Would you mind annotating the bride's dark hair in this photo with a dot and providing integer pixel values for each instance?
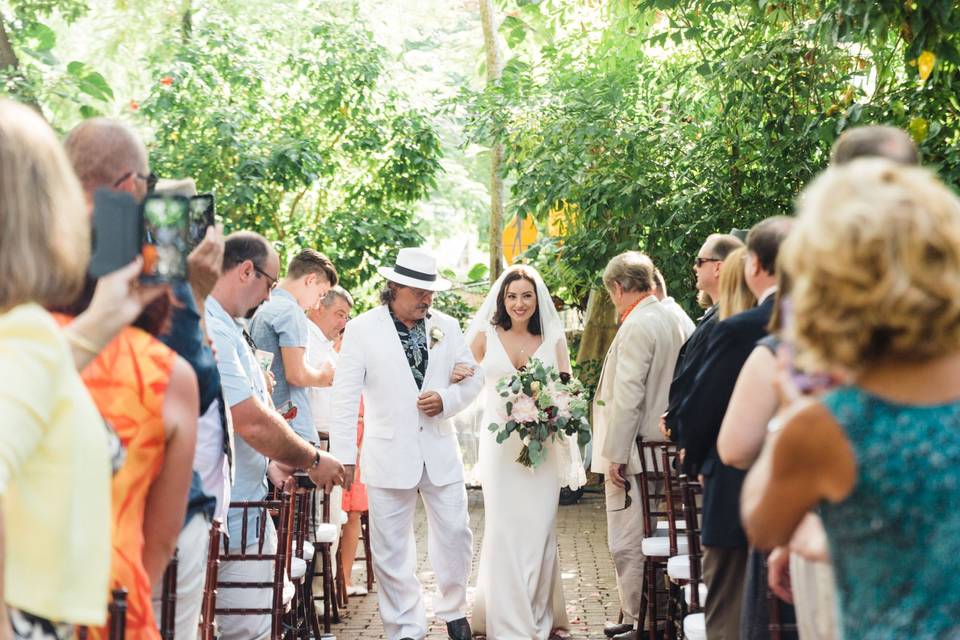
(500, 317)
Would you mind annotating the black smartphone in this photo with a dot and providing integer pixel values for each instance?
(116, 232)
(202, 215)
(165, 239)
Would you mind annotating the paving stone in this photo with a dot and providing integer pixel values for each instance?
(590, 587)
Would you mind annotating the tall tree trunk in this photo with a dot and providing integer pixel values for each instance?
(10, 63)
(599, 327)
(494, 72)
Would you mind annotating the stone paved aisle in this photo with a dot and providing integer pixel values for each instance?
(588, 579)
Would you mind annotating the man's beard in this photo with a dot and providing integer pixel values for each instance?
(250, 312)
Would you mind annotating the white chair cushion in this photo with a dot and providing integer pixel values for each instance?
(702, 590)
(678, 567)
(659, 547)
(695, 627)
(663, 525)
(298, 569)
(308, 551)
(327, 533)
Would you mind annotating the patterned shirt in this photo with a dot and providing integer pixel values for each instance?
(414, 341)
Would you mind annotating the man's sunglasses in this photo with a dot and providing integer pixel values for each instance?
(701, 261)
(151, 180)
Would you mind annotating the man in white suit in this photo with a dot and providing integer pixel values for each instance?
(631, 396)
(415, 372)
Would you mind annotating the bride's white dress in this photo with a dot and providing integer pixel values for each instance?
(518, 595)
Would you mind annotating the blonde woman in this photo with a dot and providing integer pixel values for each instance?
(875, 264)
(54, 458)
(735, 296)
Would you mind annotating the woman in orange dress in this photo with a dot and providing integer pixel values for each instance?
(354, 505)
(149, 395)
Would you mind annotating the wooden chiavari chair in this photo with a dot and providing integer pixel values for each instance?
(281, 559)
(657, 549)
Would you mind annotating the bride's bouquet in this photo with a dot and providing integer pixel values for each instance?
(541, 404)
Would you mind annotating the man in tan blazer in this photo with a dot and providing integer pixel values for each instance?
(631, 396)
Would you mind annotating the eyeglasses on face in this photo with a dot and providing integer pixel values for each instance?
(419, 293)
(701, 261)
(271, 279)
(151, 179)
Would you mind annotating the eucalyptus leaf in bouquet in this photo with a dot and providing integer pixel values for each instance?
(541, 405)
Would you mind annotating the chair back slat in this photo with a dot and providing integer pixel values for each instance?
(669, 462)
(692, 492)
(653, 485)
(209, 598)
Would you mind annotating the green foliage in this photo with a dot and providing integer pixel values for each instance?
(672, 119)
(295, 137)
(36, 75)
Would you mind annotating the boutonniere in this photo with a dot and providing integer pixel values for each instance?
(436, 335)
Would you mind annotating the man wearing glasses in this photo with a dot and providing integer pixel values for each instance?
(250, 270)
(706, 266)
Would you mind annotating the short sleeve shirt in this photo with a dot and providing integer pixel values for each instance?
(240, 378)
(319, 352)
(280, 322)
(414, 341)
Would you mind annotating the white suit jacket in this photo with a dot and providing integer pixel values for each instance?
(399, 439)
(634, 385)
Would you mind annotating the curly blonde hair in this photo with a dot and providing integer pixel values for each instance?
(734, 295)
(875, 263)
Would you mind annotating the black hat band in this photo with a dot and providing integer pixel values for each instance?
(419, 275)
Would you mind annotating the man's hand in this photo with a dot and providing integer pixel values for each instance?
(204, 264)
(461, 371)
(280, 476)
(349, 471)
(326, 372)
(664, 429)
(430, 403)
(616, 473)
(778, 574)
(328, 473)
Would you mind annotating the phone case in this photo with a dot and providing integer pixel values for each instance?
(165, 242)
(116, 232)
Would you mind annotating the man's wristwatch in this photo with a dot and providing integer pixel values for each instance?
(316, 460)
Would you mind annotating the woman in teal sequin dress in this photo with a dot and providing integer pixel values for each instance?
(875, 258)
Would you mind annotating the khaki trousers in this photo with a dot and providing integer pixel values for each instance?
(724, 571)
(624, 537)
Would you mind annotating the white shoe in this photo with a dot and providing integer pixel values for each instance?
(356, 591)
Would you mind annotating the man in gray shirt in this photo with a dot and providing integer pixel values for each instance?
(250, 270)
(281, 327)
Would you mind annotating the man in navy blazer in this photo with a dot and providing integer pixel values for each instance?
(706, 266)
(730, 343)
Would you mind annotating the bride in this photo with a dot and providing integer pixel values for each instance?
(519, 595)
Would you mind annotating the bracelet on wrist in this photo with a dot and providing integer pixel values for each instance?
(316, 460)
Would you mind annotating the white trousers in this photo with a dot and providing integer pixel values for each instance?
(624, 535)
(449, 547)
(192, 546)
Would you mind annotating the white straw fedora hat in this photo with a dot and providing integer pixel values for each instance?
(415, 268)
